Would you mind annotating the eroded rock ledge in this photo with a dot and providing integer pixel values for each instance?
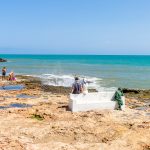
(3, 60)
(48, 124)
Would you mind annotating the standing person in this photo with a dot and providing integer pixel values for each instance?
(77, 87)
(4, 73)
(118, 98)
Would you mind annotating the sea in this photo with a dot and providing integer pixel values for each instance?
(101, 71)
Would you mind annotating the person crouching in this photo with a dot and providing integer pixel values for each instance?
(77, 87)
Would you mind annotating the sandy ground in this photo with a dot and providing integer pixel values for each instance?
(49, 125)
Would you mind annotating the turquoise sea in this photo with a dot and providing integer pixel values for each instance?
(104, 71)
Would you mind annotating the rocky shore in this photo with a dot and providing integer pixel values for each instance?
(36, 117)
(3, 60)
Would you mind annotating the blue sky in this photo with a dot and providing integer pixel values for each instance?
(75, 26)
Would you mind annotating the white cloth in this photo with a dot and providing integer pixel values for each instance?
(85, 89)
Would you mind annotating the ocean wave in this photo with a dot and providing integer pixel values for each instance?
(68, 80)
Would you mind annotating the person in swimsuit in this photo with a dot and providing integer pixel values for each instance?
(3, 73)
(11, 76)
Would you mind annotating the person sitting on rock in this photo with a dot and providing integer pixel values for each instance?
(77, 87)
(11, 76)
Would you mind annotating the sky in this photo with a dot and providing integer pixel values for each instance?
(75, 27)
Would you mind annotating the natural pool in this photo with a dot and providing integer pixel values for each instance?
(12, 87)
(16, 105)
(25, 96)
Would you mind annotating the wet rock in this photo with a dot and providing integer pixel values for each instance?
(36, 83)
(3, 60)
(125, 90)
(49, 125)
(54, 89)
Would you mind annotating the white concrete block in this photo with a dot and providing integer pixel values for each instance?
(91, 101)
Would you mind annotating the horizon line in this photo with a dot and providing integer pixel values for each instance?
(82, 54)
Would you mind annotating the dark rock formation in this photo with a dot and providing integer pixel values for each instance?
(135, 91)
(138, 94)
(36, 83)
(3, 60)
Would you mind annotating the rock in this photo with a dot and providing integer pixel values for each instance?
(49, 125)
(138, 94)
(135, 91)
(3, 60)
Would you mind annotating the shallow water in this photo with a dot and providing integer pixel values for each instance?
(16, 105)
(7, 96)
(142, 108)
(12, 87)
(148, 114)
(3, 107)
(103, 70)
(25, 96)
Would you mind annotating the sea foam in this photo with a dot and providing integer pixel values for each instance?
(68, 80)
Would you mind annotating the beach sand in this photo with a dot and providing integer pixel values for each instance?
(49, 125)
